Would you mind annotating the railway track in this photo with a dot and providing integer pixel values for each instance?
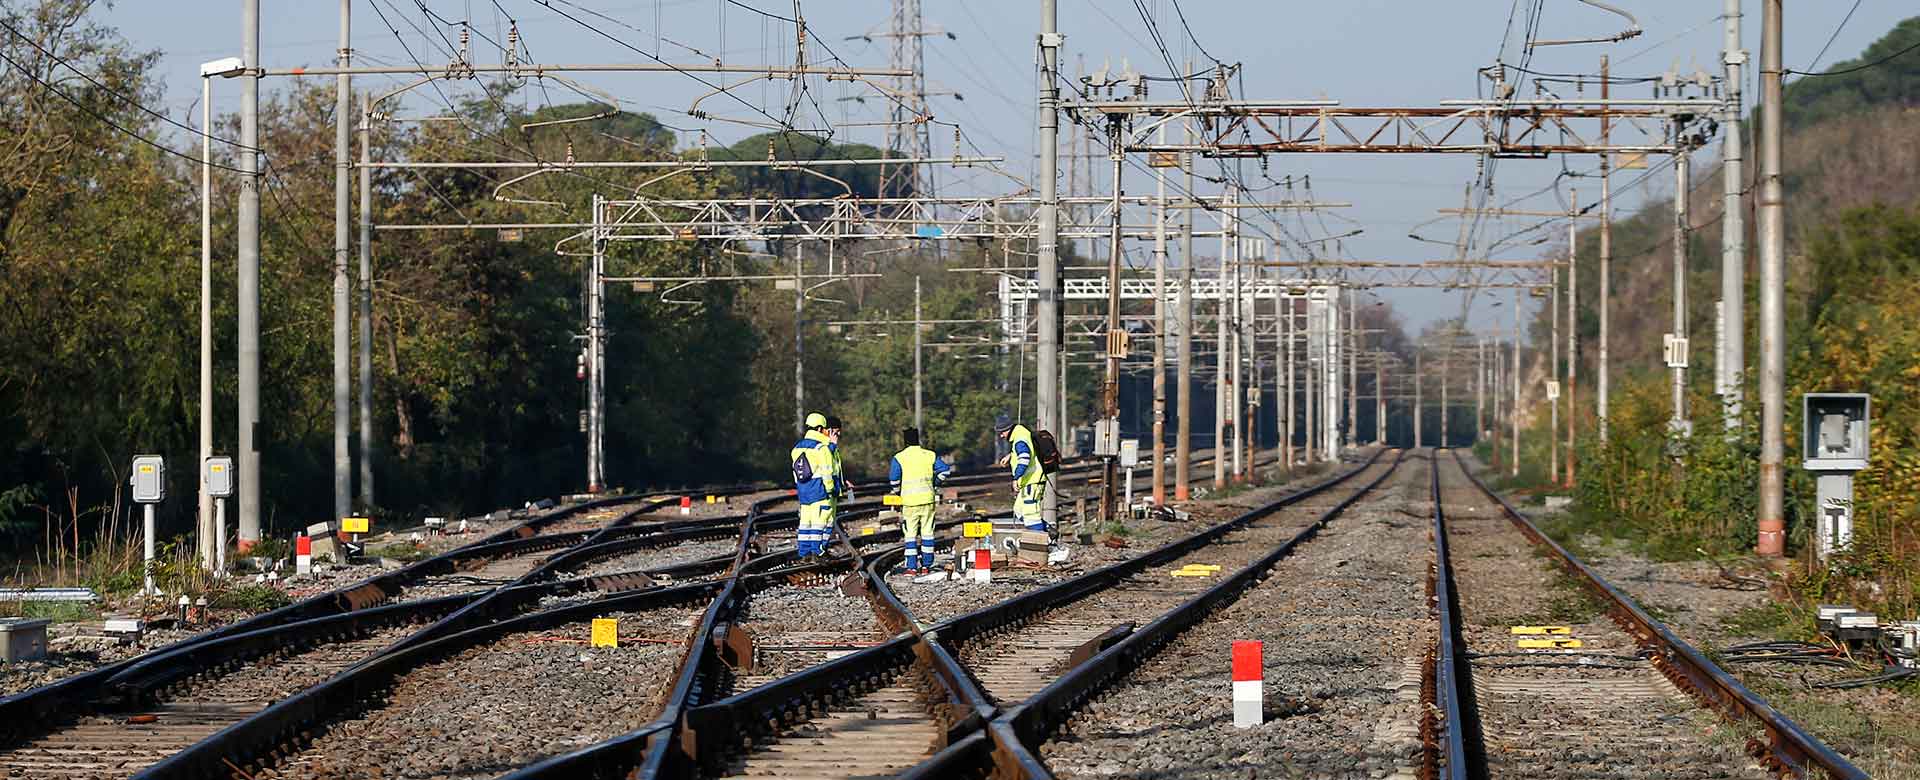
(1631, 701)
(427, 680)
(874, 712)
(1014, 661)
(27, 714)
(168, 711)
(100, 745)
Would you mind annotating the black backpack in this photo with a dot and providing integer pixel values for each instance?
(1047, 450)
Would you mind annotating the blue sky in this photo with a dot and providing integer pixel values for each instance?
(1360, 52)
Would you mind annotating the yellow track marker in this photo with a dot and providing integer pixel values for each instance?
(1547, 644)
(1540, 630)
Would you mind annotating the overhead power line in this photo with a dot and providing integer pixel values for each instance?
(56, 90)
(122, 97)
(1857, 68)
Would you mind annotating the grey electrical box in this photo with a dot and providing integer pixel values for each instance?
(1106, 437)
(1836, 426)
(218, 476)
(149, 479)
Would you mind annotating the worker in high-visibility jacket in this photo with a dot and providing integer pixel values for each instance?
(816, 485)
(1029, 478)
(914, 474)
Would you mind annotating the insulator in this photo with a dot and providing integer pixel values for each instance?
(569, 152)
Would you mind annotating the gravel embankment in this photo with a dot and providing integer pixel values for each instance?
(1598, 711)
(1343, 622)
(936, 601)
(654, 558)
(1874, 727)
(506, 704)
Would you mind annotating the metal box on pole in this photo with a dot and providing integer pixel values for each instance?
(217, 474)
(149, 483)
(1834, 440)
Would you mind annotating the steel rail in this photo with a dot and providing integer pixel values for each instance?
(1018, 731)
(1454, 714)
(671, 745)
(283, 727)
(27, 714)
(1788, 748)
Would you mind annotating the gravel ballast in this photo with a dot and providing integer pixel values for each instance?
(1343, 622)
(1599, 711)
(506, 704)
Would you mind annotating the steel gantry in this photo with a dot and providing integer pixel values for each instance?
(1505, 128)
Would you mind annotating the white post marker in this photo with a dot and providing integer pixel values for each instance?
(303, 554)
(1247, 701)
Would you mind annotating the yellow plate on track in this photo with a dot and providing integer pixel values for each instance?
(1547, 644)
(1541, 630)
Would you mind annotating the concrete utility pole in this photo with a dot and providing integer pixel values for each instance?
(1514, 413)
(597, 350)
(366, 303)
(209, 541)
(1498, 380)
(1110, 389)
(1606, 249)
(1066, 420)
(1282, 379)
(919, 418)
(1732, 362)
(1160, 332)
(1237, 389)
(1353, 367)
(1480, 389)
(1773, 252)
(799, 330)
(1681, 234)
(1183, 449)
(1288, 407)
(1573, 328)
(247, 260)
(1380, 398)
(1222, 377)
(342, 295)
(1330, 405)
(1553, 373)
(1446, 404)
(1418, 402)
(1310, 367)
(1048, 261)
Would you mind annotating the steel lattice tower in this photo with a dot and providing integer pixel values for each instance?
(909, 133)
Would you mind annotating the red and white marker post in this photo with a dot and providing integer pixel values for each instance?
(1247, 696)
(686, 505)
(983, 565)
(303, 554)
